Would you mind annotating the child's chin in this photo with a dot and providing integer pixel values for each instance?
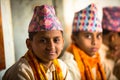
(52, 58)
(92, 54)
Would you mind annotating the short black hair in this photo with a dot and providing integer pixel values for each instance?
(75, 33)
(105, 32)
(31, 35)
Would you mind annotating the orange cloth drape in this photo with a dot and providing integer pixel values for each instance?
(86, 63)
(40, 71)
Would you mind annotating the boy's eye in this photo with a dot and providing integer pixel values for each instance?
(43, 40)
(56, 40)
(88, 36)
(99, 36)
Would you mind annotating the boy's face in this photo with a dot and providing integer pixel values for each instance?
(89, 42)
(47, 45)
(112, 40)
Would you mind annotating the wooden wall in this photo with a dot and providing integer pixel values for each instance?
(2, 57)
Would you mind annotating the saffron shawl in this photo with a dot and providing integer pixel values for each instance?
(40, 71)
(86, 63)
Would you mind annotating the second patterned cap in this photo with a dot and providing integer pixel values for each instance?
(87, 20)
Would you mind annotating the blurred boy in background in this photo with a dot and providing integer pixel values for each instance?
(111, 37)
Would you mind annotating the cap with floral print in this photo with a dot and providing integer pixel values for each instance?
(111, 19)
(44, 19)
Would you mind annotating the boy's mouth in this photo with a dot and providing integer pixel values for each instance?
(52, 52)
(94, 49)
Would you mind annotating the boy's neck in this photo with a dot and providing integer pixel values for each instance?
(46, 64)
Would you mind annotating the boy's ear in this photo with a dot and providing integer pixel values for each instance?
(28, 43)
(113, 37)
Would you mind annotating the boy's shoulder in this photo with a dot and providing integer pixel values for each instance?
(21, 63)
(21, 67)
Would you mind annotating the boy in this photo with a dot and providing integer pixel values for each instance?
(111, 36)
(116, 69)
(44, 44)
(82, 56)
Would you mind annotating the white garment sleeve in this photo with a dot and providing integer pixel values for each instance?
(72, 66)
(109, 73)
(19, 71)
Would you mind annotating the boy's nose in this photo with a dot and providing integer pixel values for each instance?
(94, 41)
(51, 45)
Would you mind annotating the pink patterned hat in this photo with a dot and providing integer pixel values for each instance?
(44, 19)
(87, 20)
(111, 18)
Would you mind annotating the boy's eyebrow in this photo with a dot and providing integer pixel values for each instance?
(99, 33)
